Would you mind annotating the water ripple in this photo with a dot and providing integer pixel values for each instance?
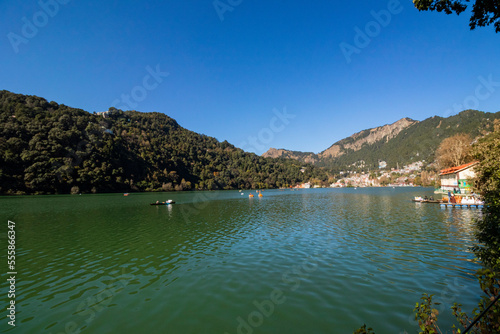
(337, 258)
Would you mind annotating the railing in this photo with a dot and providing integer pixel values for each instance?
(481, 315)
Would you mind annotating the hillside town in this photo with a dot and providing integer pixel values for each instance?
(406, 176)
(454, 179)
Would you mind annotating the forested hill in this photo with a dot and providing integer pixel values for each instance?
(50, 148)
(402, 142)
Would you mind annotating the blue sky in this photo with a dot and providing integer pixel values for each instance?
(259, 74)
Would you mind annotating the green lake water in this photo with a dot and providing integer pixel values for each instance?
(304, 261)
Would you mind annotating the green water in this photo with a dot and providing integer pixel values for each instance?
(307, 261)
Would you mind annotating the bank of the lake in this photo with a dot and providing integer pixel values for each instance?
(301, 261)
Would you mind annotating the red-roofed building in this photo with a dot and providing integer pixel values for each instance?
(459, 177)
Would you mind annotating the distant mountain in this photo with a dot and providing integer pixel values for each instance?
(306, 157)
(352, 143)
(367, 138)
(46, 148)
(400, 143)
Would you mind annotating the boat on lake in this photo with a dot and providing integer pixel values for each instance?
(163, 203)
(419, 199)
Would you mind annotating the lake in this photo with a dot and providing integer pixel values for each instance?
(302, 261)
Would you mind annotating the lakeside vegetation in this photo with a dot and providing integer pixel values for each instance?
(485, 318)
(47, 148)
(50, 148)
(487, 250)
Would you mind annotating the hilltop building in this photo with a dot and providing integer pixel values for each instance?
(459, 177)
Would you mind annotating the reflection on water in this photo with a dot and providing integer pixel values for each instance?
(319, 261)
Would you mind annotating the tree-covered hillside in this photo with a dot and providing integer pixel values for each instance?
(419, 141)
(50, 148)
(416, 142)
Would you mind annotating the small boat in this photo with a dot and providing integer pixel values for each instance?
(423, 200)
(164, 203)
(126, 194)
(251, 195)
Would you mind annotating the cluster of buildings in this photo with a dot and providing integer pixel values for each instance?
(399, 177)
(364, 180)
(306, 185)
(355, 180)
(455, 179)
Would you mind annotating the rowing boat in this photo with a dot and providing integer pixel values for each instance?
(164, 203)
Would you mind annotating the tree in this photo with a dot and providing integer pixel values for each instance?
(484, 12)
(487, 183)
(454, 151)
(487, 250)
(51, 148)
(426, 178)
(384, 180)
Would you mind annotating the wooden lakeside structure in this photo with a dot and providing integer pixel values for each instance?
(456, 182)
(457, 178)
(459, 205)
(446, 204)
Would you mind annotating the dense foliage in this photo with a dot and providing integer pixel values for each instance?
(484, 12)
(487, 151)
(487, 183)
(50, 148)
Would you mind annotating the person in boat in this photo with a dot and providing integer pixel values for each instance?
(426, 198)
(431, 198)
(157, 202)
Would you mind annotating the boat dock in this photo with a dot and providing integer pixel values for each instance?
(459, 205)
(461, 202)
(452, 205)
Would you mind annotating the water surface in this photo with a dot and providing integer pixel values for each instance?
(304, 261)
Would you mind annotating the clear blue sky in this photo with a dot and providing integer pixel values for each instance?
(226, 76)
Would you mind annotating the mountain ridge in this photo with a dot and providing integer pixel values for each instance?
(401, 142)
(368, 136)
(48, 148)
